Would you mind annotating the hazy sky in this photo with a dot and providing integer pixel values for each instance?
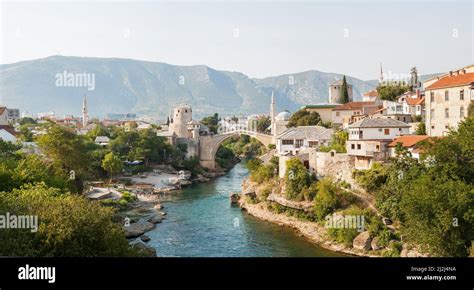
(258, 38)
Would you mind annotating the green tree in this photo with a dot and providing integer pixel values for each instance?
(27, 120)
(344, 94)
(112, 164)
(68, 226)
(421, 129)
(304, 118)
(391, 92)
(326, 199)
(67, 151)
(296, 179)
(211, 122)
(263, 123)
(8, 149)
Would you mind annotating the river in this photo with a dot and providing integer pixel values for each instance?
(201, 222)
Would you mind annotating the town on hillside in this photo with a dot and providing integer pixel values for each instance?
(348, 174)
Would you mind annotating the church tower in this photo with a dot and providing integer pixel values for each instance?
(85, 116)
(272, 115)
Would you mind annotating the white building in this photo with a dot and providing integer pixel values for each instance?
(102, 141)
(295, 139)
(369, 137)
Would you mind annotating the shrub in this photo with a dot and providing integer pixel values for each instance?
(296, 179)
(326, 199)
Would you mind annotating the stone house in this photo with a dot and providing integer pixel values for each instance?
(368, 139)
(447, 100)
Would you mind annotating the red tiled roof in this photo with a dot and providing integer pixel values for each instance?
(453, 81)
(414, 101)
(408, 140)
(354, 106)
(9, 129)
(372, 93)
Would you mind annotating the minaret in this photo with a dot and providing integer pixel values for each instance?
(381, 74)
(85, 117)
(272, 115)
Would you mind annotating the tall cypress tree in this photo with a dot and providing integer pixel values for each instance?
(344, 96)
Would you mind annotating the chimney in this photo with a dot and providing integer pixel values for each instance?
(417, 93)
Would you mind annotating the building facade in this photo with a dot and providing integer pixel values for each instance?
(368, 139)
(447, 99)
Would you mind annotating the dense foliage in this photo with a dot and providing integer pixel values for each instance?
(433, 199)
(304, 118)
(68, 225)
(338, 142)
(391, 92)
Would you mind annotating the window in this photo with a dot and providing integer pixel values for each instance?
(446, 96)
(432, 113)
(404, 119)
(358, 146)
(313, 143)
(352, 146)
(337, 114)
(380, 129)
(432, 96)
(377, 147)
(299, 143)
(287, 142)
(399, 129)
(387, 131)
(461, 112)
(432, 127)
(446, 113)
(461, 95)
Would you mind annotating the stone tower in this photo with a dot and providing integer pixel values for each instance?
(335, 92)
(179, 119)
(85, 116)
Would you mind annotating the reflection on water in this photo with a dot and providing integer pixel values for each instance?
(201, 222)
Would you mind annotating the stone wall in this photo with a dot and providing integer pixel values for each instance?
(337, 165)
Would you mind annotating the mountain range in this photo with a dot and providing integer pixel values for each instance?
(152, 88)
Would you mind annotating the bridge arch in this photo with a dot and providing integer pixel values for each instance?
(208, 145)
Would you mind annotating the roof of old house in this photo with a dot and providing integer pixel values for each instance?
(415, 101)
(372, 93)
(378, 123)
(453, 81)
(408, 140)
(9, 129)
(307, 132)
(354, 106)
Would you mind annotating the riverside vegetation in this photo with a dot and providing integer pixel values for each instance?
(50, 186)
(430, 201)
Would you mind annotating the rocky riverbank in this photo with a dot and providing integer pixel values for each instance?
(363, 244)
(143, 215)
(310, 230)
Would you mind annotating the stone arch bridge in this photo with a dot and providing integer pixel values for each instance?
(208, 145)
